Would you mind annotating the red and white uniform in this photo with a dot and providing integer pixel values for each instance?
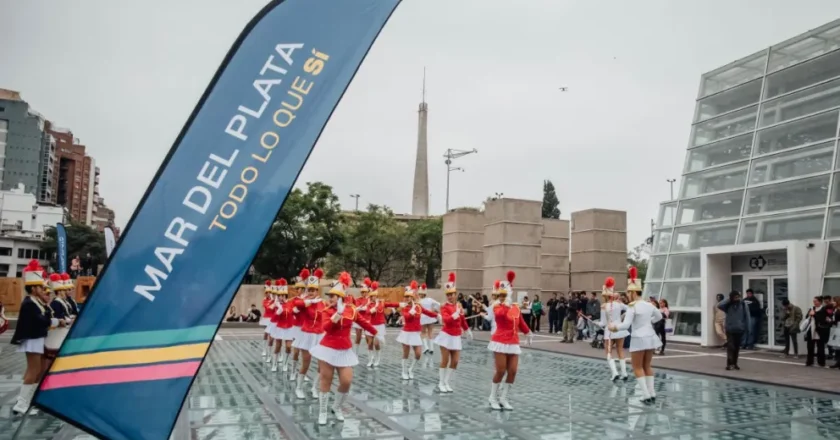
(283, 317)
(509, 323)
(297, 318)
(265, 319)
(335, 347)
(454, 325)
(269, 306)
(410, 334)
(376, 311)
(312, 329)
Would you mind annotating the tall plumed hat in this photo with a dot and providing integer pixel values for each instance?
(366, 285)
(506, 286)
(411, 289)
(314, 280)
(34, 275)
(449, 287)
(634, 284)
(609, 287)
(339, 287)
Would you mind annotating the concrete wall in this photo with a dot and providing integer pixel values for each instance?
(512, 241)
(463, 248)
(554, 256)
(599, 249)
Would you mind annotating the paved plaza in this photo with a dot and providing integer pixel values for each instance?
(556, 397)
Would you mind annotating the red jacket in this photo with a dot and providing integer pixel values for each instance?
(508, 319)
(311, 316)
(363, 302)
(297, 318)
(412, 323)
(337, 334)
(284, 316)
(453, 326)
(376, 310)
(268, 308)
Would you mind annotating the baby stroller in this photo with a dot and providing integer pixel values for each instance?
(598, 339)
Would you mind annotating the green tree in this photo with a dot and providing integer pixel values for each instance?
(550, 205)
(81, 240)
(305, 232)
(427, 244)
(639, 257)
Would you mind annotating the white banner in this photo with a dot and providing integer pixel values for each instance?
(110, 241)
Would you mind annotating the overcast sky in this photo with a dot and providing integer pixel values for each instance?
(124, 76)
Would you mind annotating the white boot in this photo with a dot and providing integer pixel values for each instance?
(270, 355)
(22, 403)
(644, 394)
(494, 400)
(323, 404)
(315, 381)
(411, 365)
(371, 358)
(274, 362)
(294, 374)
(299, 388)
(405, 369)
(623, 365)
(651, 389)
(442, 380)
(613, 371)
(503, 396)
(265, 351)
(378, 355)
(285, 362)
(449, 373)
(336, 409)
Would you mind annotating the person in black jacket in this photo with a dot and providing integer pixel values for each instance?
(816, 335)
(569, 329)
(34, 320)
(756, 312)
(737, 320)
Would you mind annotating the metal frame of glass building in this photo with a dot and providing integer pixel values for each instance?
(759, 200)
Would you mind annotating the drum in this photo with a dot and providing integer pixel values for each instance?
(55, 337)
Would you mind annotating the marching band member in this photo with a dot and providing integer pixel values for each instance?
(335, 351)
(70, 293)
(312, 330)
(34, 321)
(410, 335)
(271, 328)
(361, 307)
(282, 327)
(425, 321)
(641, 315)
(487, 313)
(505, 344)
(611, 311)
(376, 308)
(265, 321)
(297, 320)
(60, 310)
(449, 338)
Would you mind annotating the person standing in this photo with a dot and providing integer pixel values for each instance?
(593, 310)
(571, 318)
(791, 318)
(505, 344)
(661, 329)
(536, 313)
(449, 338)
(409, 337)
(526, 312)
(426, 321)
(756, 312)
(310, 306)
(560, 315)
(737, 319)
(817, 332)
(552, 313)
(611, 313)
(720, 321)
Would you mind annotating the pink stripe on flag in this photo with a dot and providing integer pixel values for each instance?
(120, 375)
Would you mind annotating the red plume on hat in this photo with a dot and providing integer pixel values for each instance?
(304, 274)
(344, 278)
(511, 275)
(32, 266)
(367, 282)
(609, 283)
(320, 273)
(65, 276)
(497, 284)
(282, 282)
(374, 285)
(451, 277)
(413, 285)
(423, 286)
(55, 277)
(634, 273)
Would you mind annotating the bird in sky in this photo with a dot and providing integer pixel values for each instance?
(564, 89)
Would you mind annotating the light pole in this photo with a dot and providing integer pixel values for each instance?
(449, 155)
(356, 196)
(671, 181)
(499, 195)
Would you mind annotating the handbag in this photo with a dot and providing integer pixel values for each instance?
(834, 337)
(669, 326)
(805, 324)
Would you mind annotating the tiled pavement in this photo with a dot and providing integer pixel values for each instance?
(556, 397)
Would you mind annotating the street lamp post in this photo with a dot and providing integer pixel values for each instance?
(449, 155)
(356, 196)
(671, 181)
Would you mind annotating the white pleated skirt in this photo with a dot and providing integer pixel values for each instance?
(380, 332)
(642, 343)
(31, 346)
(448, 341)
(426, 320)
(283, 334)
(615, 335)
(55, 338)
(411, 339)
(295, 332)
(497, 347)
(356, 326)
(269, 327)
(264, 321)
(336, 358)
(307, 341)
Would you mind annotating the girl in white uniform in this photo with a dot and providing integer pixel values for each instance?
(611, 311)
(643, 341)
(427, 321)
(488, 310)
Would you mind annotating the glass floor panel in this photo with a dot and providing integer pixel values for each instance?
(556, 397)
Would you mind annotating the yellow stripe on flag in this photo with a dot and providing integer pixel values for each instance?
(130, 357)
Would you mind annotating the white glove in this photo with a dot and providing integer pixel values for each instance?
(413, 311)
(295, 310)
(470, 334)
(339, 306)
(53, 322)
(403, 304)
(530, 339)
(456, 314)
(362, 309)
(336, 317)
(309, 302)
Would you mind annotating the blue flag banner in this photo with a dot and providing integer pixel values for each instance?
(130, 358)
(61, 248)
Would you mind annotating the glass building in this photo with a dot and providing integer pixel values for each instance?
(759, 201)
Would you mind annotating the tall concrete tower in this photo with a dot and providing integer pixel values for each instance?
(420, 199)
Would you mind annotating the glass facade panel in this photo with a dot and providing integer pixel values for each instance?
(813, 129)
(798, 226)
(833, 230)
(718, 179)
(714, 207)
(835, 190)
(806, 102)
(739, 72)
(682, 293)
(661, 241)
(832, 264)
(796, 163)
(667, 213)
(803, 50)
(656, 267)
(831, 286)
(725, 126)
(719, 153)
(681, 266)
(803, 75)
(686, 323)
(800, 193)
(694, 237)
(651, 290)
(732, 99)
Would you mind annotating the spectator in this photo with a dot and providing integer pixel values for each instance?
(571, 318)
(593, 312)
(249, 277)
(526, 311)
(659, 326)
(552, 313)
(817, 331)
(536, 313)
(561, 314)
(253, 314)
(835, 304)
(232, 316)
(756, 312)
(720, 318)
(737, 319)
(791, 317)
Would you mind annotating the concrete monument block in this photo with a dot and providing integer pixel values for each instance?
(463, 247)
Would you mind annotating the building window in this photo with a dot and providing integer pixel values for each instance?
(28, 253)
(4, 270)
(5, 251)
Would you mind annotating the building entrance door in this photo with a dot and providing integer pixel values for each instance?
(770, 292)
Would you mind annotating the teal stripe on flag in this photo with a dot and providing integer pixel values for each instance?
(155, 338)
